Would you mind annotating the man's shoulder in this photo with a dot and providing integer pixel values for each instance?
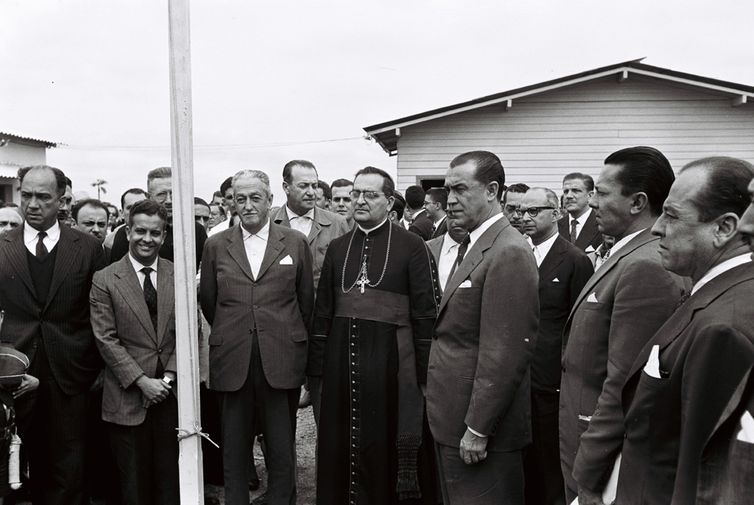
(84, 239)
(328, 217)
(572, 252)
(110, 270)
(214, 239)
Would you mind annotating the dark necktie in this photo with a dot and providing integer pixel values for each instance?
(462, 248)
(150, 295)
(41, 248)
(574, 231)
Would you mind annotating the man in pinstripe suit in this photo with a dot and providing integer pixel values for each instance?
(45, 275)
(132, 306)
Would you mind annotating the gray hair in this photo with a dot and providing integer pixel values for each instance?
(255, 174)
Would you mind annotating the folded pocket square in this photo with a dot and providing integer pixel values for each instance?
(747, 428)
(465, 284)
(556, 280)
(287, 260)
(652, 368)
(589, 249)
(592, 298)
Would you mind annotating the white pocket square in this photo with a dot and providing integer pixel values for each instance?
(465, 284)
(556, 280)
(589, 249)
(747, 428)
(652, 368)
(286, 261)
(592, 298)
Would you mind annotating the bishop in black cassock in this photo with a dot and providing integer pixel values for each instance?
(376, 307)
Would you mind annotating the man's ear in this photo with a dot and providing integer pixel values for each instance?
(726, 229)
(639, 202)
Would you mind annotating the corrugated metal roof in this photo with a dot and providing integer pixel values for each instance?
(27, 140)
(387, 136)
(8, 172)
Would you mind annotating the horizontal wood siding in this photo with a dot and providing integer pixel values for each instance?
(543, 137)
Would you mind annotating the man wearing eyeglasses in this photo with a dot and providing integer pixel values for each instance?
(160, 189)
(564, 269)
(435, 203)
(10, 219)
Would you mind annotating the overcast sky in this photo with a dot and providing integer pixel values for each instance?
(275, 81)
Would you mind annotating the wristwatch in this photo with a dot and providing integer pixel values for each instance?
(167, 380)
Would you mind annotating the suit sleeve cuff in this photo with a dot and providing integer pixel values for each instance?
(475, 432)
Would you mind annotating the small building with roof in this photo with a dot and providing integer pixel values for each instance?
(15, 152)
(543, 131)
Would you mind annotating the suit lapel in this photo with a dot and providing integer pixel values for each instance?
(237, 251)
(588, 232)
(17, 256)
(132, 292)
(67, 251)
(317, 224)
(281, 217)
(473, 257)
(553, 259)
(165, 298)
(273, 249)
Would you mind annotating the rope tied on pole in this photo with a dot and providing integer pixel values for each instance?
(197, 431)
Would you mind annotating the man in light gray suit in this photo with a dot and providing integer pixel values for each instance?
(132, 312)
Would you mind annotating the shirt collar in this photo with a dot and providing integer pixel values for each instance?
(292, 215)
(582, 218)
(447, 244)
(30, 234)
(721, 268)
(370, 230)
(474, 235)
(263, 233)
(625, 240)
(439, 221)
(138, 266)
(544, 247)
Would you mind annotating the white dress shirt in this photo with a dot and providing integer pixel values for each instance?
(541, 250)
(580, 221)
(300, 223)
(140, 275)
(474, 235)
(448, 256)
(31, 237)
(720, 269)
(255, 246)
(625, 240)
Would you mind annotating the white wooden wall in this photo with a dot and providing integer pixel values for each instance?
(543, 137)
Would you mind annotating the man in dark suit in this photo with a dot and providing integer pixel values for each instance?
(420, 222)
(45, 274)
(626, 300)
(564, 269)
(579, 225)
(685, 376)
(257, 293)
(435, 203)
(132, 312)
(478, 379)
(159, 185)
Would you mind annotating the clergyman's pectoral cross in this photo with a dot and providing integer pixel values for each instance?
(363, 279)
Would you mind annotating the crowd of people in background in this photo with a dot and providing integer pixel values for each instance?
(469, 344)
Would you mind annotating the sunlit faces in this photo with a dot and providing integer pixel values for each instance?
(9, 220)
(746, 225)
(302, 190)
(370, 204)
(161, 191)
(230, 204)
(40, 200)
(202, 214)
(612, 210)
(342, 202)
(512, 201)
(67, 201)
(253, 201)
(470, 202)
(539, 216)
(575, 197)
(92, 220)
(145, 237)
(129, 200)
(216, 215)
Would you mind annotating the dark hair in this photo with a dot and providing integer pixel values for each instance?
(217, 193)
(325, 189)
(200, 201)
(341, 183)
(91, 202)
(644, 170)
(60, 178)
(132, 191)
(399, 205)
(439, 195)
(519, 187)
(226, 185)
(69, 182)
(488, 168)
(414, 197)
(149, 208)
(388, 187)
(586, 179)
(288, 168)
(726, 187)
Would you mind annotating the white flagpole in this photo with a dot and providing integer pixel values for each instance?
(187, 340)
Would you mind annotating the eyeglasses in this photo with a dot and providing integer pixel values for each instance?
(532, 211)
(368, 195)
(12, 224)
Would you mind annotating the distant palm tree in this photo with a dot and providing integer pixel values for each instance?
(100, 185)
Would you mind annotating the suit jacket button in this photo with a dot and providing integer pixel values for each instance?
(159, 351)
